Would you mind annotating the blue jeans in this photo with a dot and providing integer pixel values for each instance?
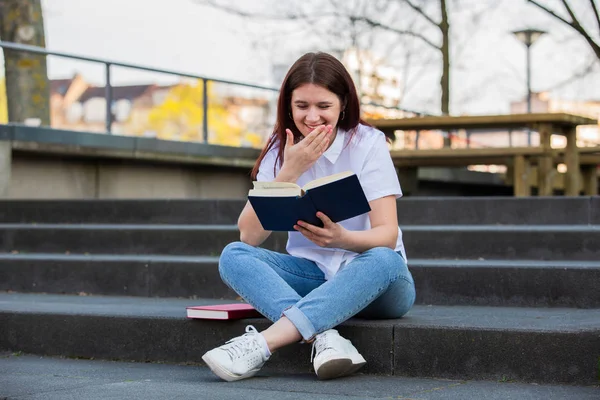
(376, 284)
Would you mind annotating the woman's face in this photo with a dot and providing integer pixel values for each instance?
(312, 106)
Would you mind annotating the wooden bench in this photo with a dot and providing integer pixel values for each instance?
(581, 162)
(519, 160)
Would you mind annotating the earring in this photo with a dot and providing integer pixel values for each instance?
(343, 115)
(290, 115)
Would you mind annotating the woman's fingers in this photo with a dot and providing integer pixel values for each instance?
(319, 140)
(290, 139)
(323, 145)
(318, 132)
(325, 219)
(308, 228)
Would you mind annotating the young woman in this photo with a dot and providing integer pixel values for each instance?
(355, 267)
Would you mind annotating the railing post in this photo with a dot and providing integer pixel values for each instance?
(205, 110)
(108, 97)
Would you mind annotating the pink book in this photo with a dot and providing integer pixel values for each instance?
(223, 311)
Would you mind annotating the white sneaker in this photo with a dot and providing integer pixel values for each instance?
(335, 356)
(241, 357)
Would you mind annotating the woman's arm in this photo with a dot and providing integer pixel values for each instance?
(251, 231)
(383, 232)
(384, 228)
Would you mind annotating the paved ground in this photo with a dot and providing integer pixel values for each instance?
(34, 377)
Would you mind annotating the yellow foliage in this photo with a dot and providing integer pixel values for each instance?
(254, 139)
(180, 117)
(3, 103)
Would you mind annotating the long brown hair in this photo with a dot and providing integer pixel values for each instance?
(320, 69)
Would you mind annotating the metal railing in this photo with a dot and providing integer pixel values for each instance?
(108, 93)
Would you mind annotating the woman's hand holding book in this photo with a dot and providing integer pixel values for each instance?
(330, 235)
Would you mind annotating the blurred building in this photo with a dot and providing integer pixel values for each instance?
(76, 104)
(588, 135)
(79, 105)
(376, 81)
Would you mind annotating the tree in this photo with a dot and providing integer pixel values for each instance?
(354, 24)
(443, 25)
(358, 20)
(27, 90)
(575, 22)
(180, 117)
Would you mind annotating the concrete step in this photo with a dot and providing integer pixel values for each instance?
(499, 210)
(512, 242)
(522, 344)
(411, 211)
(444, 282)
(507, 283)
(121, 275)
(112, 211)
(24, 376)
(206, 240)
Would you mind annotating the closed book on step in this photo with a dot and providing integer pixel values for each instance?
(279, 205)
(223, 311)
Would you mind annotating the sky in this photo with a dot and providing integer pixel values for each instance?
(184, 36)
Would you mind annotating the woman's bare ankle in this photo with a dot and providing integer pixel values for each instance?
(280, 334)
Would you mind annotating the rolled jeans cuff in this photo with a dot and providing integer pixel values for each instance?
(303, 324)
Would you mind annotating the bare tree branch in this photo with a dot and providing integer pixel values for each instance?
(299, 17)
(574, 24)
(422, 12)
(376, 24)
(355, 24)
(549, 11)
(596, 13)
(476, 25)
(269, 17)
(418, 74)
(589, 68)
(574, 20)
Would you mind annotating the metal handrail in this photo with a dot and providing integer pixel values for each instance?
(108, 94)
(108, 87)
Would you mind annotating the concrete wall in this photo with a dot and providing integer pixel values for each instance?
(42, 176)
(44, 163)
(38, 176)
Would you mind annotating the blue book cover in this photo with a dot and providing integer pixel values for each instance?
(280, 205)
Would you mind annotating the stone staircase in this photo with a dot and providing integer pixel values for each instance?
(507, 289)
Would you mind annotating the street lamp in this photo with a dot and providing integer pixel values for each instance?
(528, 37)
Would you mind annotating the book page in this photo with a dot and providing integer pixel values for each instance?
(274, 185)
(327, 179)
(275, 189)
(276, 192)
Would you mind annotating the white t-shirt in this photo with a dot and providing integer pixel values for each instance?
(368, 156)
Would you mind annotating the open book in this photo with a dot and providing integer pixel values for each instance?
(279, 205)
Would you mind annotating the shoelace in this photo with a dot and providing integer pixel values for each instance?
(321, 344)
(241, 345)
